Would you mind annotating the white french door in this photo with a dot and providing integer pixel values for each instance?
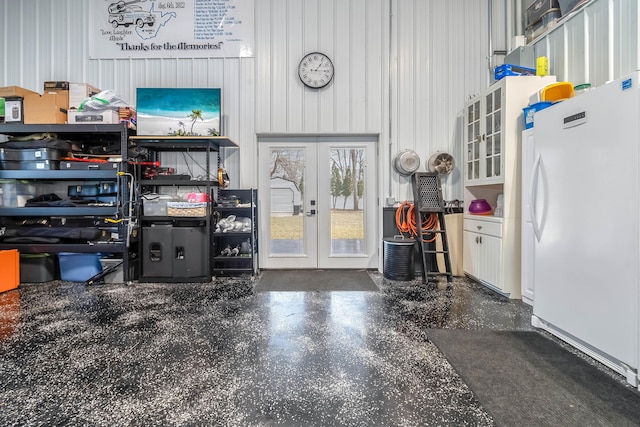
(318, 202)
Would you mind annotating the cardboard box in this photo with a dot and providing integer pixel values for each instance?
(78, 92)
(15, 91)
(93, 117)
(48, 108)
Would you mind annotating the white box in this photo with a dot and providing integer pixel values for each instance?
(13, 110)
(93, 117)
(78, 92)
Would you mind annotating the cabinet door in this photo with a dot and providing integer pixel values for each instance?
(493, 137)
(483, 258)
(473, 141)
(471, 253)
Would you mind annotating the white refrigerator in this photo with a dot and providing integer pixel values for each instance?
(584, 205)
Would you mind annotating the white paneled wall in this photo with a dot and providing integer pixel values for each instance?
(403, 71)
(594, 44)
(404, 68)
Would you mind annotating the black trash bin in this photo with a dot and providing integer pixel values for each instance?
(399, 258)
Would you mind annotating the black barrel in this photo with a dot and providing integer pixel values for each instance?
(399, 258)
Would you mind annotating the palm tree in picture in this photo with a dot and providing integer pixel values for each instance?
(195, 115)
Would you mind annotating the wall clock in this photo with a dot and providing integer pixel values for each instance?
(315, 70)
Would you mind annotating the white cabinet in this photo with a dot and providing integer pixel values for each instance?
(483, 250)
(492, 136)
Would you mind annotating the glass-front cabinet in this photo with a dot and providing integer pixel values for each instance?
(493, 127)
(484, 137)
(473, 140)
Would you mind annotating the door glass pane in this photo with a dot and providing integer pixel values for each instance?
(287, 168)
(476, 115)
(497, 99)
(347, 189)
(497, 165)
(496, 122)
(496, 143)
(476, 169)
(489, 167)
(488, 103)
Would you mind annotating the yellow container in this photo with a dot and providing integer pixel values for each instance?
(557, 92)
(542, 66)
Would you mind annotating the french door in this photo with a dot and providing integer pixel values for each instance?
(318, 202)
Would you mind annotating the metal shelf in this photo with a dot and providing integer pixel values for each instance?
(62, 211)
(177, 182)
(65, 247)
(90, 135)
(56, 175)
(61, 129)
(181, 143)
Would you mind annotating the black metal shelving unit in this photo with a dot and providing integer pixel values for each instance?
(94, 135)
(169, 244)
(242, 263)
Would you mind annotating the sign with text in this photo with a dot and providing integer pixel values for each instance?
(170, 29)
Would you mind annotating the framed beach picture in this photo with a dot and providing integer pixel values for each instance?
(178, 111)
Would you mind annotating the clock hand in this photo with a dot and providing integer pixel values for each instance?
(319, 65)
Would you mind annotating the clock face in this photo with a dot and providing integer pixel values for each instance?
(315, 70)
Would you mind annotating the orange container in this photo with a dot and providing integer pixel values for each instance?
(10, 267)
(557, 92)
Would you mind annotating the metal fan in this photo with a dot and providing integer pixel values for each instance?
(441, 162)
(406, 162)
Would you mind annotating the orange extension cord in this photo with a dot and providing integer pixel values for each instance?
(406, 222)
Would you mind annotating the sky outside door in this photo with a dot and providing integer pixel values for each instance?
(319, 209)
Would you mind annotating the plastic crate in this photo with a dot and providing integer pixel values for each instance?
(505, 70)
(37, 268)
(79, 267)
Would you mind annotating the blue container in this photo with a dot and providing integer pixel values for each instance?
(530, 111)
(79, 267)
(505, 70)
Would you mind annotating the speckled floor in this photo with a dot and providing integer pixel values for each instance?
(220, 354)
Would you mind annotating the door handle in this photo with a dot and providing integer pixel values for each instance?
(312, 212)
(533, 197)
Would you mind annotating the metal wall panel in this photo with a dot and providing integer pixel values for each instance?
(403, 68)
(595, 44)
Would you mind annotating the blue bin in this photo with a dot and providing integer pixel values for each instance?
(79, 267)
(530, 111)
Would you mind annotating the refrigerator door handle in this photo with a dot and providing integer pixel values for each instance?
(532, 196)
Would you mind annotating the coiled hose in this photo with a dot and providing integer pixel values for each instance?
(406, 222)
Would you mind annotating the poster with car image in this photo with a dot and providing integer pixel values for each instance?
(170, 29)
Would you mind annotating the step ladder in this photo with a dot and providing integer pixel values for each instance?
(429, 208)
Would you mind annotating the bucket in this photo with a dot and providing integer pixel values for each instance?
(399, 261)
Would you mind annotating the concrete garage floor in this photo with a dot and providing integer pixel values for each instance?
(220, 354)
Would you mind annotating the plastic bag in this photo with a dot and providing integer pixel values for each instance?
(105, 100)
